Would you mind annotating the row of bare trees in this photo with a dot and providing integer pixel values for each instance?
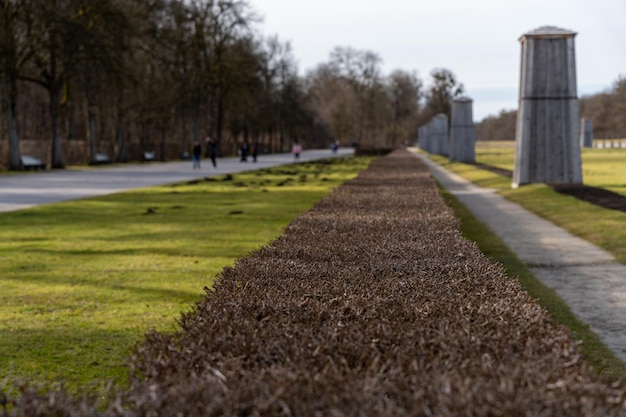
(607, 111)
(132, 71)
(125, 76)
(357, 104)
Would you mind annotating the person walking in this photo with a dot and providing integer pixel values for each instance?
(212, 148)
(296, 150)
(255, 151)
(244, 151)
(196, 154)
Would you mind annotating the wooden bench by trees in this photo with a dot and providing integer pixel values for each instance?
(30, 162)
(100, 159)
(149, 156)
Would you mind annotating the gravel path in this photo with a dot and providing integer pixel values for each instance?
(586, 277)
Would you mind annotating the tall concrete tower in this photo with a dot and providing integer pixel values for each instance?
(547, 135)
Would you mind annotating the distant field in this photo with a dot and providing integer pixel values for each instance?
(603, 167)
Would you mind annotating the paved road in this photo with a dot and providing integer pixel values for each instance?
(586, 277)
(21, 191)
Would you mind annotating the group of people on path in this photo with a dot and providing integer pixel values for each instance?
(244, 152)
(196, 155)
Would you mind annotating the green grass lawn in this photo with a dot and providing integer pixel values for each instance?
(83, 281)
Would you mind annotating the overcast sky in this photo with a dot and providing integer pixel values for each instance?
(478, 40)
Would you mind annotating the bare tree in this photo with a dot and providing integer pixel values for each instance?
(405, 93)
(61, 35)
(500, 127)
(443, 89)
(137, 75)
(607, 110)
(9, 21)
(361, 70)
(104, 32)
(230, 20)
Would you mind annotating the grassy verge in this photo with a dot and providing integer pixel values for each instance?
(593, 350)
(83, 281)
(605, 168)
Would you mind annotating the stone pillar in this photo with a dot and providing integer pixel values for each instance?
(586, 133)
(547, 134)
(440, 134)
(423, 138)
(462, 137)
(433, 146)
(428, 135)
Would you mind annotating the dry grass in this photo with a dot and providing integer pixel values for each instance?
(371, 304)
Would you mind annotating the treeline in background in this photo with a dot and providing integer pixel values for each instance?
(124, 77)
(607, 111)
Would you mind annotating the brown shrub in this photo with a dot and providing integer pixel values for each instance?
(371, 304)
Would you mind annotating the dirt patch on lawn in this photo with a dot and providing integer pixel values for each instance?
(594, 195)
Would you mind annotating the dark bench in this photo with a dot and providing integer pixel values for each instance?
(101, 158)
(30, 162)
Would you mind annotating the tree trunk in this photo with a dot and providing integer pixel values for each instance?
(219, 122)
(55, 120)
(163, 143)
(7, 33)
(212, 110)
(183, 119)
(281, 139)
(120, 132)
(15, 160)
(196, 119)
(212, 120)
(55, 87)
(92, 113)
(270, 134)
(93, 131)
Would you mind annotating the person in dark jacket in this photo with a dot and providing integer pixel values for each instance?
(255, 151)
(244, 151)
(212, 148)
(196, 154)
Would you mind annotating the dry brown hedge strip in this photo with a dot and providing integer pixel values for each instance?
(371, 304)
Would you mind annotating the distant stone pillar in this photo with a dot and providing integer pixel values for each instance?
(462, 137)
(423, 138)
(586, 133)
(428, 138)
(547, 135)
(430, 135)
(440, 134)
